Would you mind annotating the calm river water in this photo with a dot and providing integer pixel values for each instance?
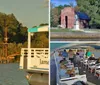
(10, 74)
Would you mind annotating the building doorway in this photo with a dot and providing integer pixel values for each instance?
(66, 21)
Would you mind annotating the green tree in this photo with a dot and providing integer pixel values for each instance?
(43, 24)
(41, 39)
(92, 8)
(16, 32)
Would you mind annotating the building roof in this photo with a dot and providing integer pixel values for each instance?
(39, 29)
(82, 16)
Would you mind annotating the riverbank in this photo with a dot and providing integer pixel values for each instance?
(74, 36)
(57, 29)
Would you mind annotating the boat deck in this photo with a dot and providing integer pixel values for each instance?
(91, 79)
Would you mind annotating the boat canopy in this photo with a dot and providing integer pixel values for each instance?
(39, 29)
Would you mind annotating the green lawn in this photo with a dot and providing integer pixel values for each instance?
(61, 30)
(55, 29)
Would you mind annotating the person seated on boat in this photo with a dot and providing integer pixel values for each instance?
(77, 53)
(60, 61)
(81, 54)
(88, 53)
(59, 58)
(71, 72)
(76, 59)
(98, 61)
(71, 55)
(92, 57)
(65, 54)
(63, 61)
(63, 72)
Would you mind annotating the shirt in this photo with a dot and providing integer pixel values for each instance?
(88, 53)
(64, 54)
(63, 73)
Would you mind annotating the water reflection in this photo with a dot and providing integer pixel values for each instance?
(10, 74)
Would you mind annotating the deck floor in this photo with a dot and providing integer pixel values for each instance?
(92, 80)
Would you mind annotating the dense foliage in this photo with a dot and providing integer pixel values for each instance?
(16, 32)
(92, 8)
(55, 14)
(17, 35)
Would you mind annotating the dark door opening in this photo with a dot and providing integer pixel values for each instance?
(60, 21)
(66, 21)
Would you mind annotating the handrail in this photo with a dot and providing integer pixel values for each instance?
(57, 77)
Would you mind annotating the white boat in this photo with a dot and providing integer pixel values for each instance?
(84, 62)
(68, 80)
(35, 60)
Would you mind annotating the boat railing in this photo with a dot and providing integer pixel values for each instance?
(70, 80)
(35, 51)
(34, 58)
(55, 54)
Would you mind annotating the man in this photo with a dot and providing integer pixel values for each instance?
(63, 71)
(88, 54)
(71, 55)
(65, 54)
(92, 57)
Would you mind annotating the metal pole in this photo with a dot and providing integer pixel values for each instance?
(29, 50)
(29, 40)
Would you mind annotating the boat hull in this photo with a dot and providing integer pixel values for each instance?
(37, 78)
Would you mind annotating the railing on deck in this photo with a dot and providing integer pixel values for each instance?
(35, 52)
(34, 58)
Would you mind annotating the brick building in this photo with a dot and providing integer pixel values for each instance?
(68, 18)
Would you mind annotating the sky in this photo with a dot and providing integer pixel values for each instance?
(63, 2)
(29, 12)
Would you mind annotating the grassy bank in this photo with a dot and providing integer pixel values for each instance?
(61, 30)
(56, 29)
